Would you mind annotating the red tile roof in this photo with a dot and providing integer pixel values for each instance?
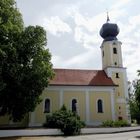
(74, 77)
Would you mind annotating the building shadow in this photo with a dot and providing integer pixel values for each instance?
(11, 138)
(138, 137)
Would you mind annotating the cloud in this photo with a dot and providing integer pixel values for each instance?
(56, 26)
(90, 23)
(87, 28)
(129, 35)
(131, 59)
(86, 33)
(87, 39)
(120, 4)
(134, 20)
(73, 30)
(81, 60)
(57, 61)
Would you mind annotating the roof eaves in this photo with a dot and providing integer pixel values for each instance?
(80, 85)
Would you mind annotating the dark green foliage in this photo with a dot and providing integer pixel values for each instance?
(65, 120)
(119, 123)
(136, 85)
(134, 109)
(108, 123)
(25, 67)
(135, 101)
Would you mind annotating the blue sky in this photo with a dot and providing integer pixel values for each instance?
(73, 30)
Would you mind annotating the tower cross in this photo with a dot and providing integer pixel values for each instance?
(107, 17)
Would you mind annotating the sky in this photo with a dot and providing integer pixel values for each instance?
(73, 30)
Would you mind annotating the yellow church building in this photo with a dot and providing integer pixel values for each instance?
(96, 95)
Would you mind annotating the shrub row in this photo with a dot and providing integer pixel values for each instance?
(119, 123)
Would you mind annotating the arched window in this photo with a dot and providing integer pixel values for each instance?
(115, 50)
(47, 106)
(117, 75)
(74, 105)
(100, 106)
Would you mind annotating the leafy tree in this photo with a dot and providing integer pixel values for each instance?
(135, 100)
(137, 89)
(67, 121)
(134, 109)
(25, 67)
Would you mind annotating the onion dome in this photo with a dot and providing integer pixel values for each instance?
(109, 31)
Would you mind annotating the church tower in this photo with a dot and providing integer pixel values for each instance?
(113, 66)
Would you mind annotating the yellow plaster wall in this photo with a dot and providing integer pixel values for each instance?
(117, 57)
(40, 116)
(106, 115)
(80, 96)
(4, 120)
(120, 93)
(55, 105)
(108, 51)
(81, 99)
(119, 81)
(107, 57)
(122, 111)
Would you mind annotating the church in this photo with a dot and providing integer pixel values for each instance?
(96, 95)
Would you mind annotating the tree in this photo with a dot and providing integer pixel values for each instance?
(135, 100)
(137, 89)
(25, 67)
(134, 109)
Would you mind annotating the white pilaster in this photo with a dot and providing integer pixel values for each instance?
(61, 100)
(32, 119)
(119, 54)
(126, 97)
(111, 54)
(112, 105)
(87, 107)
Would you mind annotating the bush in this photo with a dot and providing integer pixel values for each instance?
(107, 123)
(119, 123)
(65, 120)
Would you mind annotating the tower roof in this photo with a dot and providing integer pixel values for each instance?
(109, 31)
